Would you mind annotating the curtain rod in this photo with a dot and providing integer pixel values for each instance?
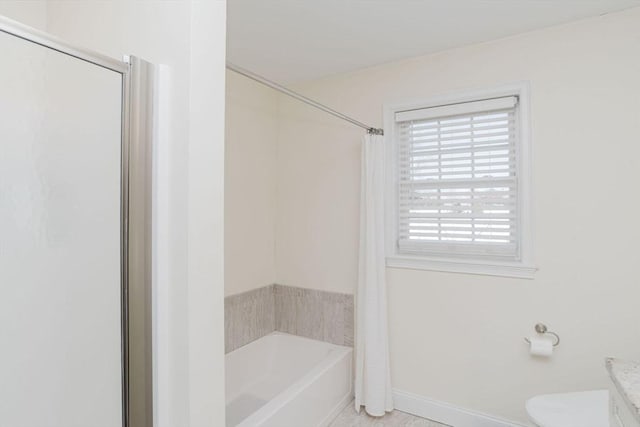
(286, 91)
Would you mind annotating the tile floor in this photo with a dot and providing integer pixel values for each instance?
(349, 418)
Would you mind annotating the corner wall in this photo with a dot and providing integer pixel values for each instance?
(458, 338)
(250, 184)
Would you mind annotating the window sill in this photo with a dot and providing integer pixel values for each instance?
(488, 268)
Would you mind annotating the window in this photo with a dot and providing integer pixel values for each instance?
(460, 186)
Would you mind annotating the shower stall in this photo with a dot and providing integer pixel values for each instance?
(75, 235)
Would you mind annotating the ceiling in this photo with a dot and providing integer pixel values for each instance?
(298, 40)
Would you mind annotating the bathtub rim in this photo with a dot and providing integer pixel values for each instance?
(337, 353)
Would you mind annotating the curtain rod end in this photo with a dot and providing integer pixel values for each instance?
(374, 131)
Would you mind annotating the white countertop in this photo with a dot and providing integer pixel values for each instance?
(626, 377)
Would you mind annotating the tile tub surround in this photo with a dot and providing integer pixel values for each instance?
(626, 377)
(320, 315)
(248, 316)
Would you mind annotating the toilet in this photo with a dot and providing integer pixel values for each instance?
(580, 409)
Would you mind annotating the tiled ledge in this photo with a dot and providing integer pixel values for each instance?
(320, 315)
(248, 316)
(324, 316)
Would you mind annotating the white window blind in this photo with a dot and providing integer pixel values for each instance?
(458, 179)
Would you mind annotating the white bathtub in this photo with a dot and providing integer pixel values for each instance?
(282, 380)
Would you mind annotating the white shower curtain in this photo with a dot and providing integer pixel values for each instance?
(372, 379)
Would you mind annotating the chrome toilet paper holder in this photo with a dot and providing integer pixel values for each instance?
(542, 329)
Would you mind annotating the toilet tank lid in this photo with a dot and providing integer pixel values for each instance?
(580, 409)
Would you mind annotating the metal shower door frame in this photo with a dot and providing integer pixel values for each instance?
(135, 215)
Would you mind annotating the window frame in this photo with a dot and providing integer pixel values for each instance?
(521, 268)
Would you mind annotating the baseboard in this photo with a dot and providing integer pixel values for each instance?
(445, 413)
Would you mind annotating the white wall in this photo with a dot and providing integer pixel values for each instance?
(318, 196)
(188, 37)
(457, 337)
(250, 184)
(29, 12)
(206, 214)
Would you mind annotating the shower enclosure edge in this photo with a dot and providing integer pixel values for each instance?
(136, 216)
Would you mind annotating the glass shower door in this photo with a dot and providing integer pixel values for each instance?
(60, 239)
